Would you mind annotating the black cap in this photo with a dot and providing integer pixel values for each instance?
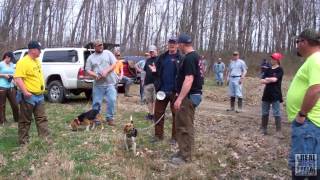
(184, 38)
(34, 45)
(310, 34)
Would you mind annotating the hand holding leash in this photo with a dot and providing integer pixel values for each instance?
(177, 104)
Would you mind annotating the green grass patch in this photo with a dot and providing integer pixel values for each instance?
(36, 149)
(8, 141)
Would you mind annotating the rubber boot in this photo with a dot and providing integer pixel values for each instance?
(126, 91)
(264, 124)
(278, 127)
(232, 101)
(239, 105)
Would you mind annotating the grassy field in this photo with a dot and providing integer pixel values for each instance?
(98, 153)
(228, 146)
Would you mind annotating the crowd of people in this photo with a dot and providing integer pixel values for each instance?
(177, 76)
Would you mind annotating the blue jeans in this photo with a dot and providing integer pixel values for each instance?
(127, 80)
(219, 76)
(275, 108)
(235, 89)
(110, 94)
(33, 100)
(305, 139)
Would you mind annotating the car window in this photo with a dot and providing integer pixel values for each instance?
(60, 56)
(17, 56)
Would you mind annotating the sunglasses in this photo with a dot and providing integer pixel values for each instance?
(299, 40)
(98, 45)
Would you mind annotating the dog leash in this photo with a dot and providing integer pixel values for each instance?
(152, 125)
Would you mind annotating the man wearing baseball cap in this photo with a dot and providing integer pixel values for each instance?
(272, 96)
(165, 72)
(236, 73)
(148, 89)
(189, 82)
(29, 79)
(218, 69)
(303, 108)
(100, 65)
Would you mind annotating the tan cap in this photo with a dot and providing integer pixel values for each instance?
(235, 53)
(152, 48)
(97, 42)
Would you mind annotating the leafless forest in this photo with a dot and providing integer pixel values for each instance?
(216, 25)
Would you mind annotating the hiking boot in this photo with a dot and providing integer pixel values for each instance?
(178, 161)
(177, 154)
(110, 123)
(155, 139)
(149, 117)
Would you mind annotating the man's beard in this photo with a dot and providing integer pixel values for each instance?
(99, 51)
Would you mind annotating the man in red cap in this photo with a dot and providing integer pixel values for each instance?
(272, 95)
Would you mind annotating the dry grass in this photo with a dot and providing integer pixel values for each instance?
(228, 145)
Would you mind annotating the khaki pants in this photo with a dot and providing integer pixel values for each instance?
(160, 108)
(185, 128)
(26, 112)
(11, 95)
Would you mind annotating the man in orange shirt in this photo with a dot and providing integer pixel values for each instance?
(119, 71)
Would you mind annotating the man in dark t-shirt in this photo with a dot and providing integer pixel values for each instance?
(189, 91)
(148, 89)
(272, 95)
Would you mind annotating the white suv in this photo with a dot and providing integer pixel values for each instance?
(63, 70)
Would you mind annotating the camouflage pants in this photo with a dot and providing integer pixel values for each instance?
(185, 128)
(26, 112)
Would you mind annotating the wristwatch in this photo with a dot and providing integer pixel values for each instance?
(301, 114)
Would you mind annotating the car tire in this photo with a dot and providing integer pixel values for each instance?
(56, 92)
(88, 94)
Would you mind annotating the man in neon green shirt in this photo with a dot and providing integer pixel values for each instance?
(303, 108)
